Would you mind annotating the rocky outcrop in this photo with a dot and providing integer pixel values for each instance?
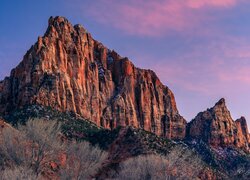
(216, 127)
(68, 70)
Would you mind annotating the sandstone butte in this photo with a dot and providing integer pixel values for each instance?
(68, 70)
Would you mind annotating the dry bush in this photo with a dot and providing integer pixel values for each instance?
(18, 173)
(12, 148)
(44, 143)
(180, 163)
(83, 161)
(144, 167)
(34, 145)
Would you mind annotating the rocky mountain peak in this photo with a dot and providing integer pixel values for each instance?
(221, 102)
(216, 127)
(58, 24)
(57, 20)
(242, 123)
(220, 111)
(68, 70)
(242, 120)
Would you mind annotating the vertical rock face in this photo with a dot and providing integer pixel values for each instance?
(216, 127)
(70, 71)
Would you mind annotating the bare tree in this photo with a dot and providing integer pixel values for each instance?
(180, 163)
(34, 145)
(13, 147)
(143, 167)
(44, 143)
(183, 163)
(83, 161)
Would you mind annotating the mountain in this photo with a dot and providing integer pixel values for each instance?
(216, 127)
(102, 98)
(68, 70)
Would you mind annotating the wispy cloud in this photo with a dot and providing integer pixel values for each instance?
(155, 18)
(212, 68)
(212, 3)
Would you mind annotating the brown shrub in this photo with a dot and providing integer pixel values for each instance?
(20, 173)
(34, 145)
(180, 163)
(83, 161)
(37, 148)
(143, 167)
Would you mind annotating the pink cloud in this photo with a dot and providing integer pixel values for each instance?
(237, 48)
(175, 75)
(143, 18)
(236, 76)
(214, 3)
(209, 69)
(155, 18)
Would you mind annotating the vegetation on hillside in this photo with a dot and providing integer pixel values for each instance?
(120, 146)
(39, 150)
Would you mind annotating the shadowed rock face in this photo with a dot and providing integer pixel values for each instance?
(68, 70)
(216, 127)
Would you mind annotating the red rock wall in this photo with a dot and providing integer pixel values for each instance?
(70, 71)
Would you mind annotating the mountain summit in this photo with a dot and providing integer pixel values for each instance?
(216, 127)
(68, 70)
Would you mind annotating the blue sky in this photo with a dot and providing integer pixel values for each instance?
(200, 49)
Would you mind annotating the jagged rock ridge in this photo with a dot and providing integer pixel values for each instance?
(216, 127)
(68, 70)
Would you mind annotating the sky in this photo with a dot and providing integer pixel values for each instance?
(200, 49)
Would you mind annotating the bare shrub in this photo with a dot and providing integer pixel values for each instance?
(13, 147)
(83, 161)
(18, 173)
(44, 143)
(143, 167)
(180, 163)
(37, 147)
(34, 145)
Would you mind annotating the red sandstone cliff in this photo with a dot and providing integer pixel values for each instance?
(216, 127)
(70, 71)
